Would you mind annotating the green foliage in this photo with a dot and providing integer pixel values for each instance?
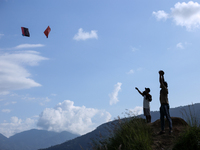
(189, 140)
(129, 134)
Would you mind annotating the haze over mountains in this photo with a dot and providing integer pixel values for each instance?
(48, 140)
(34, 139)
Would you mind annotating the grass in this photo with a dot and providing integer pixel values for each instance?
(190, 116)
(133, 133)
(190, 138)
(129, 134)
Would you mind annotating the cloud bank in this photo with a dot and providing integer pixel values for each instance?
(16, 125)
(81, 35)
(13, 75)
(114, 95)
(183, 14)
(67, 117)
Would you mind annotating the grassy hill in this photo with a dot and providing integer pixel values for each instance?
(134, 133)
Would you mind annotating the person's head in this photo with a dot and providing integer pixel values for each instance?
(161, 72)
(147, 90)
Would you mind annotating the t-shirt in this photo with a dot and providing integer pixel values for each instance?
(145, 102)
(164, 95)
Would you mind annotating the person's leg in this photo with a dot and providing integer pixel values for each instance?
(168, 116)
(162, 119)
(150, 118)
(145, 114)
(147, 119)
(148, 115)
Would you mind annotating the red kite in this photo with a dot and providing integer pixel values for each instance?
(47, 31)
(25, 31)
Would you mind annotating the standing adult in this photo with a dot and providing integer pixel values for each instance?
(146, 106)
(164, 108)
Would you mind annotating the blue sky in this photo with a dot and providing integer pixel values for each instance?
(97, 52)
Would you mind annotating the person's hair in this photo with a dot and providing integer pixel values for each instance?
(165, 83)
(148, 89)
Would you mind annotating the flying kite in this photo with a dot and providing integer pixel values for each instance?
(47, 31)
(25, 31)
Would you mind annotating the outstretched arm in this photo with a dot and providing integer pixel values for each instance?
(139, 91)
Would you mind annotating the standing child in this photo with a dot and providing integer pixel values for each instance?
(164, 108)
(146, 103)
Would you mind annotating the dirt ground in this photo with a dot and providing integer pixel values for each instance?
(166, 141)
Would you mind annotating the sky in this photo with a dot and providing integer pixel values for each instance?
(85, 73)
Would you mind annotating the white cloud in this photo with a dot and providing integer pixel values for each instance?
(53, 94)
(6, 110)
(46, 100)
(160, 15)
(21, 46)
(9, 103)
(134, 49)
(81, 35)
(136, 111)
(67, 117)
(184, 14)
(131, 72)
(16, 125)
(180, 45)
(13, 75)
(1, 35)
(114, 95)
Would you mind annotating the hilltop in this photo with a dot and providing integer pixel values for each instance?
(166, 141)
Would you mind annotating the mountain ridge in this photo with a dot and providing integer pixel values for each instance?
(34, 139)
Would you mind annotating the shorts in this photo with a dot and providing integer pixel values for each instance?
(146, 111)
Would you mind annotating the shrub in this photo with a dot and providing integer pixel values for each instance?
(130, 134)
(189, 140)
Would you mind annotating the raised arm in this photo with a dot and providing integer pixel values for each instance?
(139, 91)
(161, 78)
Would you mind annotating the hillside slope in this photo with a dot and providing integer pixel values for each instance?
(85, 140)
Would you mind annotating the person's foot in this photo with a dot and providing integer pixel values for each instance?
(161, 132)
(170, 132)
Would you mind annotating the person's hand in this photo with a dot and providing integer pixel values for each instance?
(161, 72)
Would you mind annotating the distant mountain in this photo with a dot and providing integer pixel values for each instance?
(34, 139)
(86, 140)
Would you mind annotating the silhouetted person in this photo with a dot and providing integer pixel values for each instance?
(164, 108)
(146, 103)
